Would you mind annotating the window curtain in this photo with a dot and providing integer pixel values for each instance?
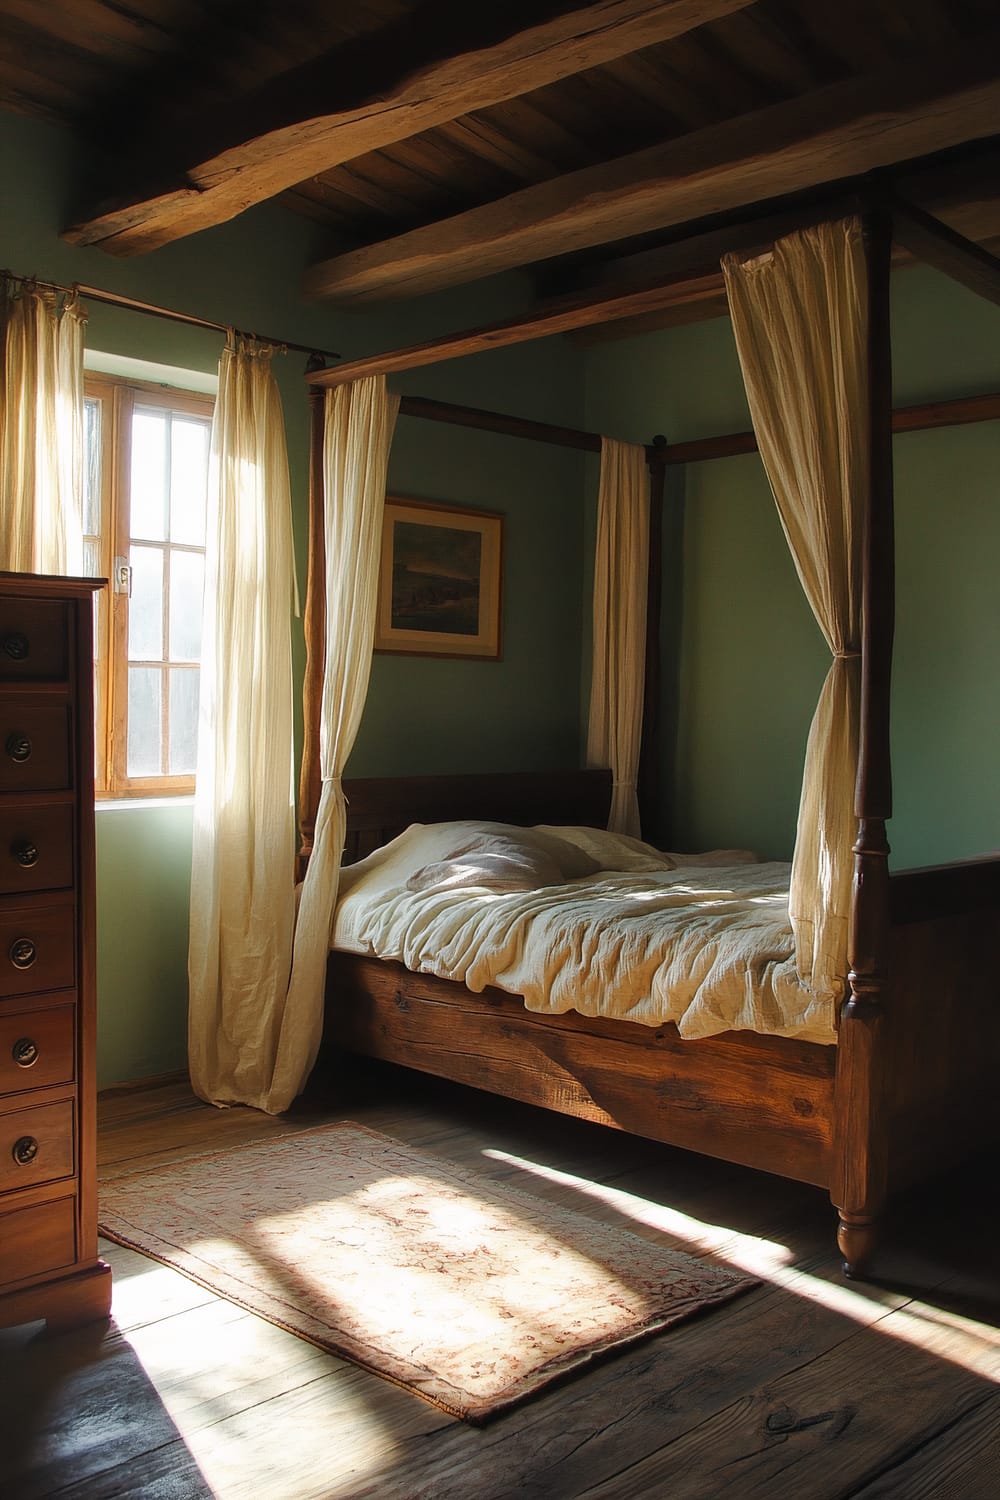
(800, 319)
(359, 422)
(41, 431)
(621, 562)
(243, 862)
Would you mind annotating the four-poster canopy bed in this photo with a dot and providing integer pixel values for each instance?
(908, 1085)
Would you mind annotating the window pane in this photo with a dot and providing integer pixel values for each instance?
(93, 463)
(187, 579)
(149, 474)
(188, 476)
(92, 561)
(183, 720)
(145, 712)
(145, 608)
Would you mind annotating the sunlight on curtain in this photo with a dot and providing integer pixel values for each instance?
(41, 431)
(621, 560)
(800, 319)
(243, 858)
(358, 433)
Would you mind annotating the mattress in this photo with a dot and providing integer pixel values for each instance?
(581, 919)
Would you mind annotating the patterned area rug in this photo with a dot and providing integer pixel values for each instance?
(470, 1293)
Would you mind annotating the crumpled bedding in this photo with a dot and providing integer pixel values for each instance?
(700, 940)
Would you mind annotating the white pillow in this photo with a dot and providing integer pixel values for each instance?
(486, 870)
(611, 851)
(618, 851)
(721, 857)
(496, 856)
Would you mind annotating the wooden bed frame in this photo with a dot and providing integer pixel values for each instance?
(908, 1088)
(920, 1095)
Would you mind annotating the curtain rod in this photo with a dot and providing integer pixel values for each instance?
(133, 304)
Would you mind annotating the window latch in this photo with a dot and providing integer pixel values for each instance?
(123, 576)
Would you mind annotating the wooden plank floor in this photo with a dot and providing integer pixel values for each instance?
(808, 1386)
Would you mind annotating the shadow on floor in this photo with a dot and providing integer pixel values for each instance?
(80, 1416)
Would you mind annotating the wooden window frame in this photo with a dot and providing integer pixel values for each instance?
(119, 398)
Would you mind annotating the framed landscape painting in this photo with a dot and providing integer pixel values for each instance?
(440, 581)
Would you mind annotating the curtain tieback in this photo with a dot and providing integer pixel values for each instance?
(616, 784)
(845, 655)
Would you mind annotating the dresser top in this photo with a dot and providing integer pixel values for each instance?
(42, 585)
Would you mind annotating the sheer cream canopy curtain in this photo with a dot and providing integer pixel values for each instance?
(614, 730)
(41, 431)
(359, 424)
(800, 318)
(243, 858)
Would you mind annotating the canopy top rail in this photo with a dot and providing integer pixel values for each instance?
(921, 234)
(959, 412)
(520, 427)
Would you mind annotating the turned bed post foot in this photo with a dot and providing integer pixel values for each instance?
(857, 1238)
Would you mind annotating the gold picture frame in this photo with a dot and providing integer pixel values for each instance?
(440, 581)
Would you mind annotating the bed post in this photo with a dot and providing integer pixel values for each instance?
(858, 1185)
(650, 770)
(314, 624)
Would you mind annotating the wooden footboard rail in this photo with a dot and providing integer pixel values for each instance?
(916, 1069)
(944, 1015)
(966, 885)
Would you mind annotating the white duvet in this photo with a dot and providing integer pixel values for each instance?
(573, 918)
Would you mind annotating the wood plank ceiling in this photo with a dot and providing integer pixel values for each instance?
(437, 141)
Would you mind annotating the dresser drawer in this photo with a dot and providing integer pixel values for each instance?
(36, 1145)
(34, 747)
(38, 1239)
(36, 848)
(36, 1049)
(34, 640)
(36, 950)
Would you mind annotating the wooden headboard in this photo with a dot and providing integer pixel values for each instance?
(380, 807)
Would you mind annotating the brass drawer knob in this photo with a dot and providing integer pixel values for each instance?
(18, 748)
(22, 953)
(16, 645)
(25, 1150)
(25, 852)
(24, 1052)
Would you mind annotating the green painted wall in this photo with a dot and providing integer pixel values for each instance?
(737, 699)
(744, 658)
(143, 885)
(423, 715)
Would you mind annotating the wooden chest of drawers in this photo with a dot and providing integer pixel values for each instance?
(49, 1266)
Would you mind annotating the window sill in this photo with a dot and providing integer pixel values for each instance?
(123, 804)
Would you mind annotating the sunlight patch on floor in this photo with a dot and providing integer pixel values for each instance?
(429, 1237)
(973, 1345)
(229, 1380)
(751, 1253)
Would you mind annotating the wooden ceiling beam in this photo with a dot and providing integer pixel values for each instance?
(443, 60)
(942, 247)
(961, 187)
(846, 129)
